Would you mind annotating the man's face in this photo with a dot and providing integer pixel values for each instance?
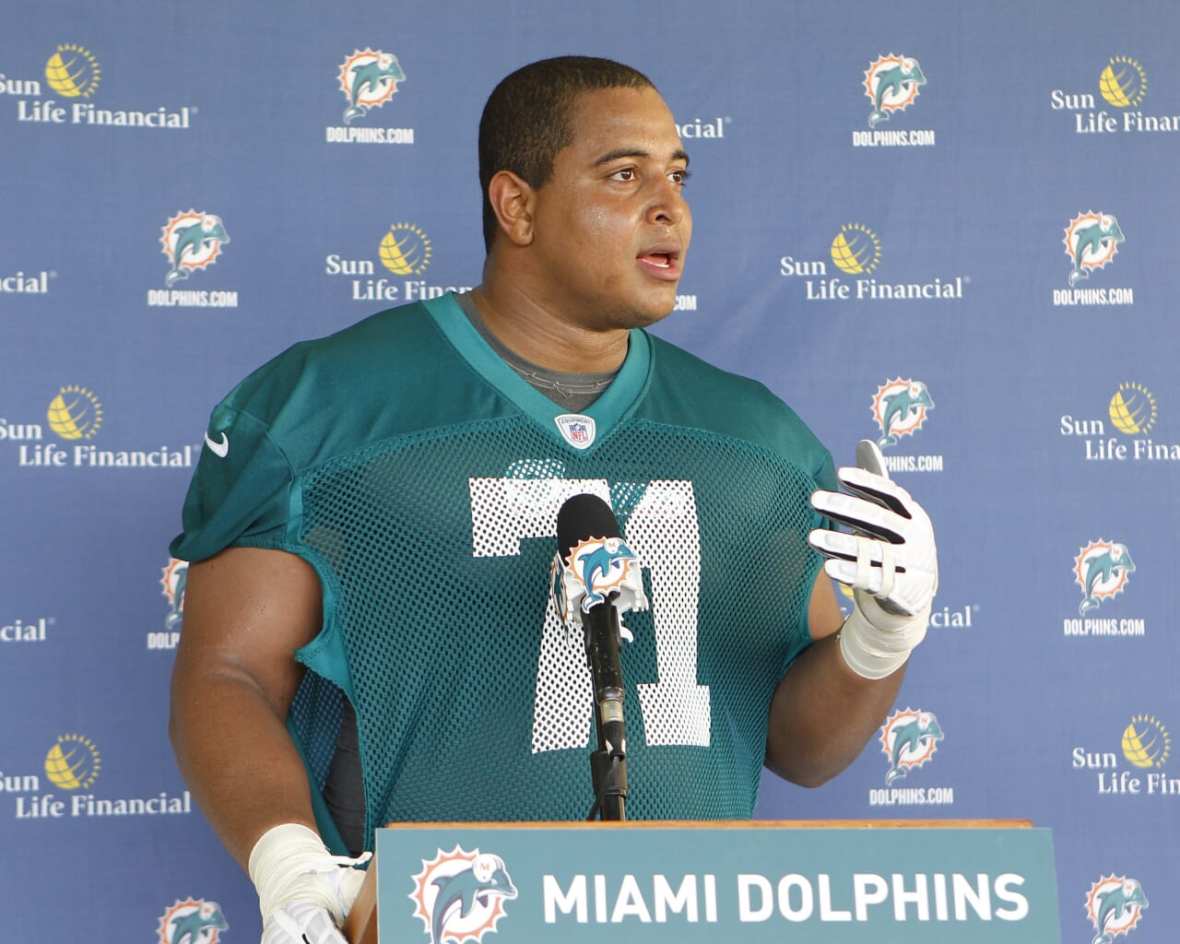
(611, 224)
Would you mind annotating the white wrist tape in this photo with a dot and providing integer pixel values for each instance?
(874, 642)
(290, 863)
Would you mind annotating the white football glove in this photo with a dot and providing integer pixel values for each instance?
(304, 892)
(301, 923)
(890, 561)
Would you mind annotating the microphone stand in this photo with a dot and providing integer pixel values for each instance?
(608, 764)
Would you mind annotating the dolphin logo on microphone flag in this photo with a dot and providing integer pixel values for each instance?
(597, 567)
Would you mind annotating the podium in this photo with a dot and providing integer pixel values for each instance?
(819, 882)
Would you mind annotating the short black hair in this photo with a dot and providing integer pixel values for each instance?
(526, 119)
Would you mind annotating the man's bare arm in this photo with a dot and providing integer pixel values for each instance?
(246, 611)
(823, 713)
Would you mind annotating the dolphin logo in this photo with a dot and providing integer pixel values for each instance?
(371, 78)
(199, 925)
(599, 566)
(1098, 239)
(459, 894)
(1102, 569)
(894, 82)
(898, 407)
(912, 737)
(191, 241)
(1113, 907)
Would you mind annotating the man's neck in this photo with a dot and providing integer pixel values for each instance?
(534, 328)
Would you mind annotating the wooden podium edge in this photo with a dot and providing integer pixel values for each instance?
(360, 927)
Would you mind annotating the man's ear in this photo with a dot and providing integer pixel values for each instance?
(514, 202)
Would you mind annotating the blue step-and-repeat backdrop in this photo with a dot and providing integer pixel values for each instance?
(950, 227)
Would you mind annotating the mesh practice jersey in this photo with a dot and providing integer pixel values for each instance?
(421, 478)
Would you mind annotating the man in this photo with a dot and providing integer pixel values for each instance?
(368, 635)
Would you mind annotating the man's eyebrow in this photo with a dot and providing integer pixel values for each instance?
(678, 155)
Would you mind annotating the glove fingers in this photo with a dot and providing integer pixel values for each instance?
(877, 489)
(301, 923)
(861, 515)
(848, 572)
(852, 546)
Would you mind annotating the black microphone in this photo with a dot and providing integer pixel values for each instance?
(588, 520)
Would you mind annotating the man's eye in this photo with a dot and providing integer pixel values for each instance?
(680, 177)
(626, 175)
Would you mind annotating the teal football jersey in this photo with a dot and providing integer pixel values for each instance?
(421, 478)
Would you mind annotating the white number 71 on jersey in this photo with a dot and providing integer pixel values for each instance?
(664, 532)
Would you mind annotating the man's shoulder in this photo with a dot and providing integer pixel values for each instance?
(389, 338)
(325, 394)
(689, 391)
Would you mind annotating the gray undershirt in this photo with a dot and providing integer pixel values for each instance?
(575, 392)
(344, 791)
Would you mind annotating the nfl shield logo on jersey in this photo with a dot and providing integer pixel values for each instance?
(577, 429)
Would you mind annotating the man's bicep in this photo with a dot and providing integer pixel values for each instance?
(246, 612)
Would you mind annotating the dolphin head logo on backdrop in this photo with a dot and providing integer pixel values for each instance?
(460, 895)
(1102, 569)
(192, 921)
(368, 79)
(891, 84)
(1091, 241)
(909, 739)
(900, 407)
(191, 240)
(1114, 906)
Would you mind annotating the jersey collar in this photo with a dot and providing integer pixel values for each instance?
(614, 405)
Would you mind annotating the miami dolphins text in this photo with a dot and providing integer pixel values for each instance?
(340, 134)
(1093, 296)
(190, 298)
(912, 796)
(1076, 626)
(894, 138)
(922, 897)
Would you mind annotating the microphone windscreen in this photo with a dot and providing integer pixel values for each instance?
(583, 517)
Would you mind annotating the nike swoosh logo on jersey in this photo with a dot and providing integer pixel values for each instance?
(221, 449)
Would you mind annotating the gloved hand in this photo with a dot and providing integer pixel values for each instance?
(304, 892)
(301, 923)
(890, 561)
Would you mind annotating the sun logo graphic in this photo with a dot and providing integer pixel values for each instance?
(73, 763)
(1133, 409)
(460, 895)
(75, 413)
(1091, 241)
(72, 71)
(1146, 742)
(1123, 83)
(909, 739)
(192, 921)
(172, 583)
(899, 409)
(856, 250)
(1114, 905)
(891, 84)
(368, 79)
(405, 249)
(1102, 570)
(191, 240)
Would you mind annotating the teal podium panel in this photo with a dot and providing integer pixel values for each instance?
(733, 882)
